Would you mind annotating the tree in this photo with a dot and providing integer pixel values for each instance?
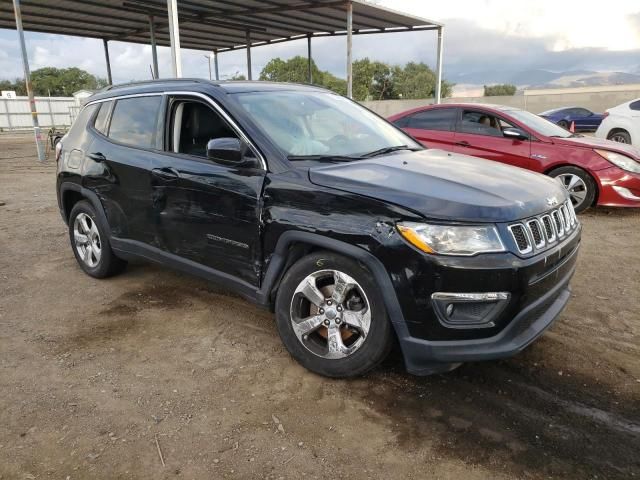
(417, 80)
(237, 76)
(295, 70)
(17, 86)
(372, 80)
(499, 90)
(56, 82)
(63, 81)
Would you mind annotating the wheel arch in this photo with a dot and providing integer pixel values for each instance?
(619, 129)
(72, 193)
(293, 245)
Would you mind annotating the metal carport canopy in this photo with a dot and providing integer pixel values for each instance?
(212, 25)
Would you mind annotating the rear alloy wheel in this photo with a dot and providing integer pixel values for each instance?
(620, 136)
(564, 124)
(90, 243)
(579, 185)
(330, 316)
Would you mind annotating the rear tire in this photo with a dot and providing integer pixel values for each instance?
(579, 184)
(619, 136)
(564, 124)
(90, 243)
(336, 332)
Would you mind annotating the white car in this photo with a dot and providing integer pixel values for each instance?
(622, 123)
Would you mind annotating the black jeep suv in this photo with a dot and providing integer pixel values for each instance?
(304, 201)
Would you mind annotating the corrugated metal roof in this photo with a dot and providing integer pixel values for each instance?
(207, 24)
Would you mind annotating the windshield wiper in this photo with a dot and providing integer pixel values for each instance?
(322, 158)
(385, 150)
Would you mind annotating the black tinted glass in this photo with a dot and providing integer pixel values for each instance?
(101, 119)
(134, 121)
(635, 105)
(436, 119)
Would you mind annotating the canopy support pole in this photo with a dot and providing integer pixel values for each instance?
(105, 44)
(27, 81)
(439, 66)
(154, 49)
(249, 55)
(174, 36)
(215, 63)
(309, 59)
(349, 48)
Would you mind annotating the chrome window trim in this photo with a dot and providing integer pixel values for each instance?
(224, 115)
(202, 96)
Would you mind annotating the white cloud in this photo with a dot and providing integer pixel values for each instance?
(482, 35)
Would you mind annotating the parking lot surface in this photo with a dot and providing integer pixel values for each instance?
(153, 374)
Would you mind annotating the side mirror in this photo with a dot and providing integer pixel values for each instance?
(514, 134)
(225, 150)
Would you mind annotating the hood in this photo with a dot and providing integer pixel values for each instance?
(445, 186)
(594, 142)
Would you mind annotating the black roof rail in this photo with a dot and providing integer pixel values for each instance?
(151, 82)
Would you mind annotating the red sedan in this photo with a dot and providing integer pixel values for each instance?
(594, 171)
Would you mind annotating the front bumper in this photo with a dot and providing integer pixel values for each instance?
(618, 188)
(423, 357)
(538, 290)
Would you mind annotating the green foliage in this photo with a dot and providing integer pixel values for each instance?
(372, 80)
(499, 90)
(17, 86)
(295, 70)
(417, 80)
(57, 82)
(237, 76)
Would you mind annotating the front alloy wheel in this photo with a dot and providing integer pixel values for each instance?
(331, 317)
(330, 314)
(575, 186)
(580, 185)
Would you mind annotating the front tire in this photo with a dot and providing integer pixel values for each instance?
(331, 317)
(580, 185)
(90, 243)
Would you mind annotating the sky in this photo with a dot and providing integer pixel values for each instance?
(485, 41)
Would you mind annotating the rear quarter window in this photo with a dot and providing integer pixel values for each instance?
(100, 123)
(83, 118)
(635, 105)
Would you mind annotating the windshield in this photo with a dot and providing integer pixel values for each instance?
(539, 125)
(319, 124)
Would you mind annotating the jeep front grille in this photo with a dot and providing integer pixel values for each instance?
(543, 231)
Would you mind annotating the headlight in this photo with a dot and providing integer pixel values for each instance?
(619, 160)
(451, 239)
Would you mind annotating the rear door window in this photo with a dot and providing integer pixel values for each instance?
(442, 119)
(134, 121)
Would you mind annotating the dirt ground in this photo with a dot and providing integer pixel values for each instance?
(98, 377)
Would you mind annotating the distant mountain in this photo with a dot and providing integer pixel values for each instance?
(537, 78)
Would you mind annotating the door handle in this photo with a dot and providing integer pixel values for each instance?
(463, 143)
(165, 175)
(97, 157)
